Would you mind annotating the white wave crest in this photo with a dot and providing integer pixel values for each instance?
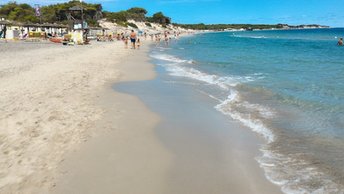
(255, 37)
(256, 125)
(180, 67)
(295, 176)
(169, 58)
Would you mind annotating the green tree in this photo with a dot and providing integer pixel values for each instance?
(51, 13)
(137, 10)
(18, 12)
(121, 16)
(160, 18)
(137, 14)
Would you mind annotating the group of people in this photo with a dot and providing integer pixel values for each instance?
(135, 41)
(166, 37)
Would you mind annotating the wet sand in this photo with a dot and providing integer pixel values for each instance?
(212, 154)
(127, 157)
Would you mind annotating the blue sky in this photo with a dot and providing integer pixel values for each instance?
(327, 12)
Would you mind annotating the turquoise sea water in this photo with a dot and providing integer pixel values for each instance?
(286, 85)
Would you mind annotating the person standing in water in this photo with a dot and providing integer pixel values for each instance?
(133, 39)
(340, 42)
(166, 39)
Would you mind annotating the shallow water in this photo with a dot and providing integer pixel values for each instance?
(286, 85)
(211, 154)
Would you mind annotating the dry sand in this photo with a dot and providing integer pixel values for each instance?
(48, 106)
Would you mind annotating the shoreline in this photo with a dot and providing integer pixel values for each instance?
(209, 149)
(148, 153)
(120, 142)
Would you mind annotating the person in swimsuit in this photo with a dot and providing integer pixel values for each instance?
(340, 42)
(133, 39)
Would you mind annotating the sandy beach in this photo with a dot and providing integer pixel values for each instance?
(48, 105)
(171, 97)
(65, 130)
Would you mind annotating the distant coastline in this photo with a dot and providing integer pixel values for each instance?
(248, 27)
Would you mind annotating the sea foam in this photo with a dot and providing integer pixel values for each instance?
(229, 106)
(179, 67)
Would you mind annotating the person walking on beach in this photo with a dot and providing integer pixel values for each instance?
(4, 32)
(126, 40)
(138, 43)
(133, 39)
(340, 42)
